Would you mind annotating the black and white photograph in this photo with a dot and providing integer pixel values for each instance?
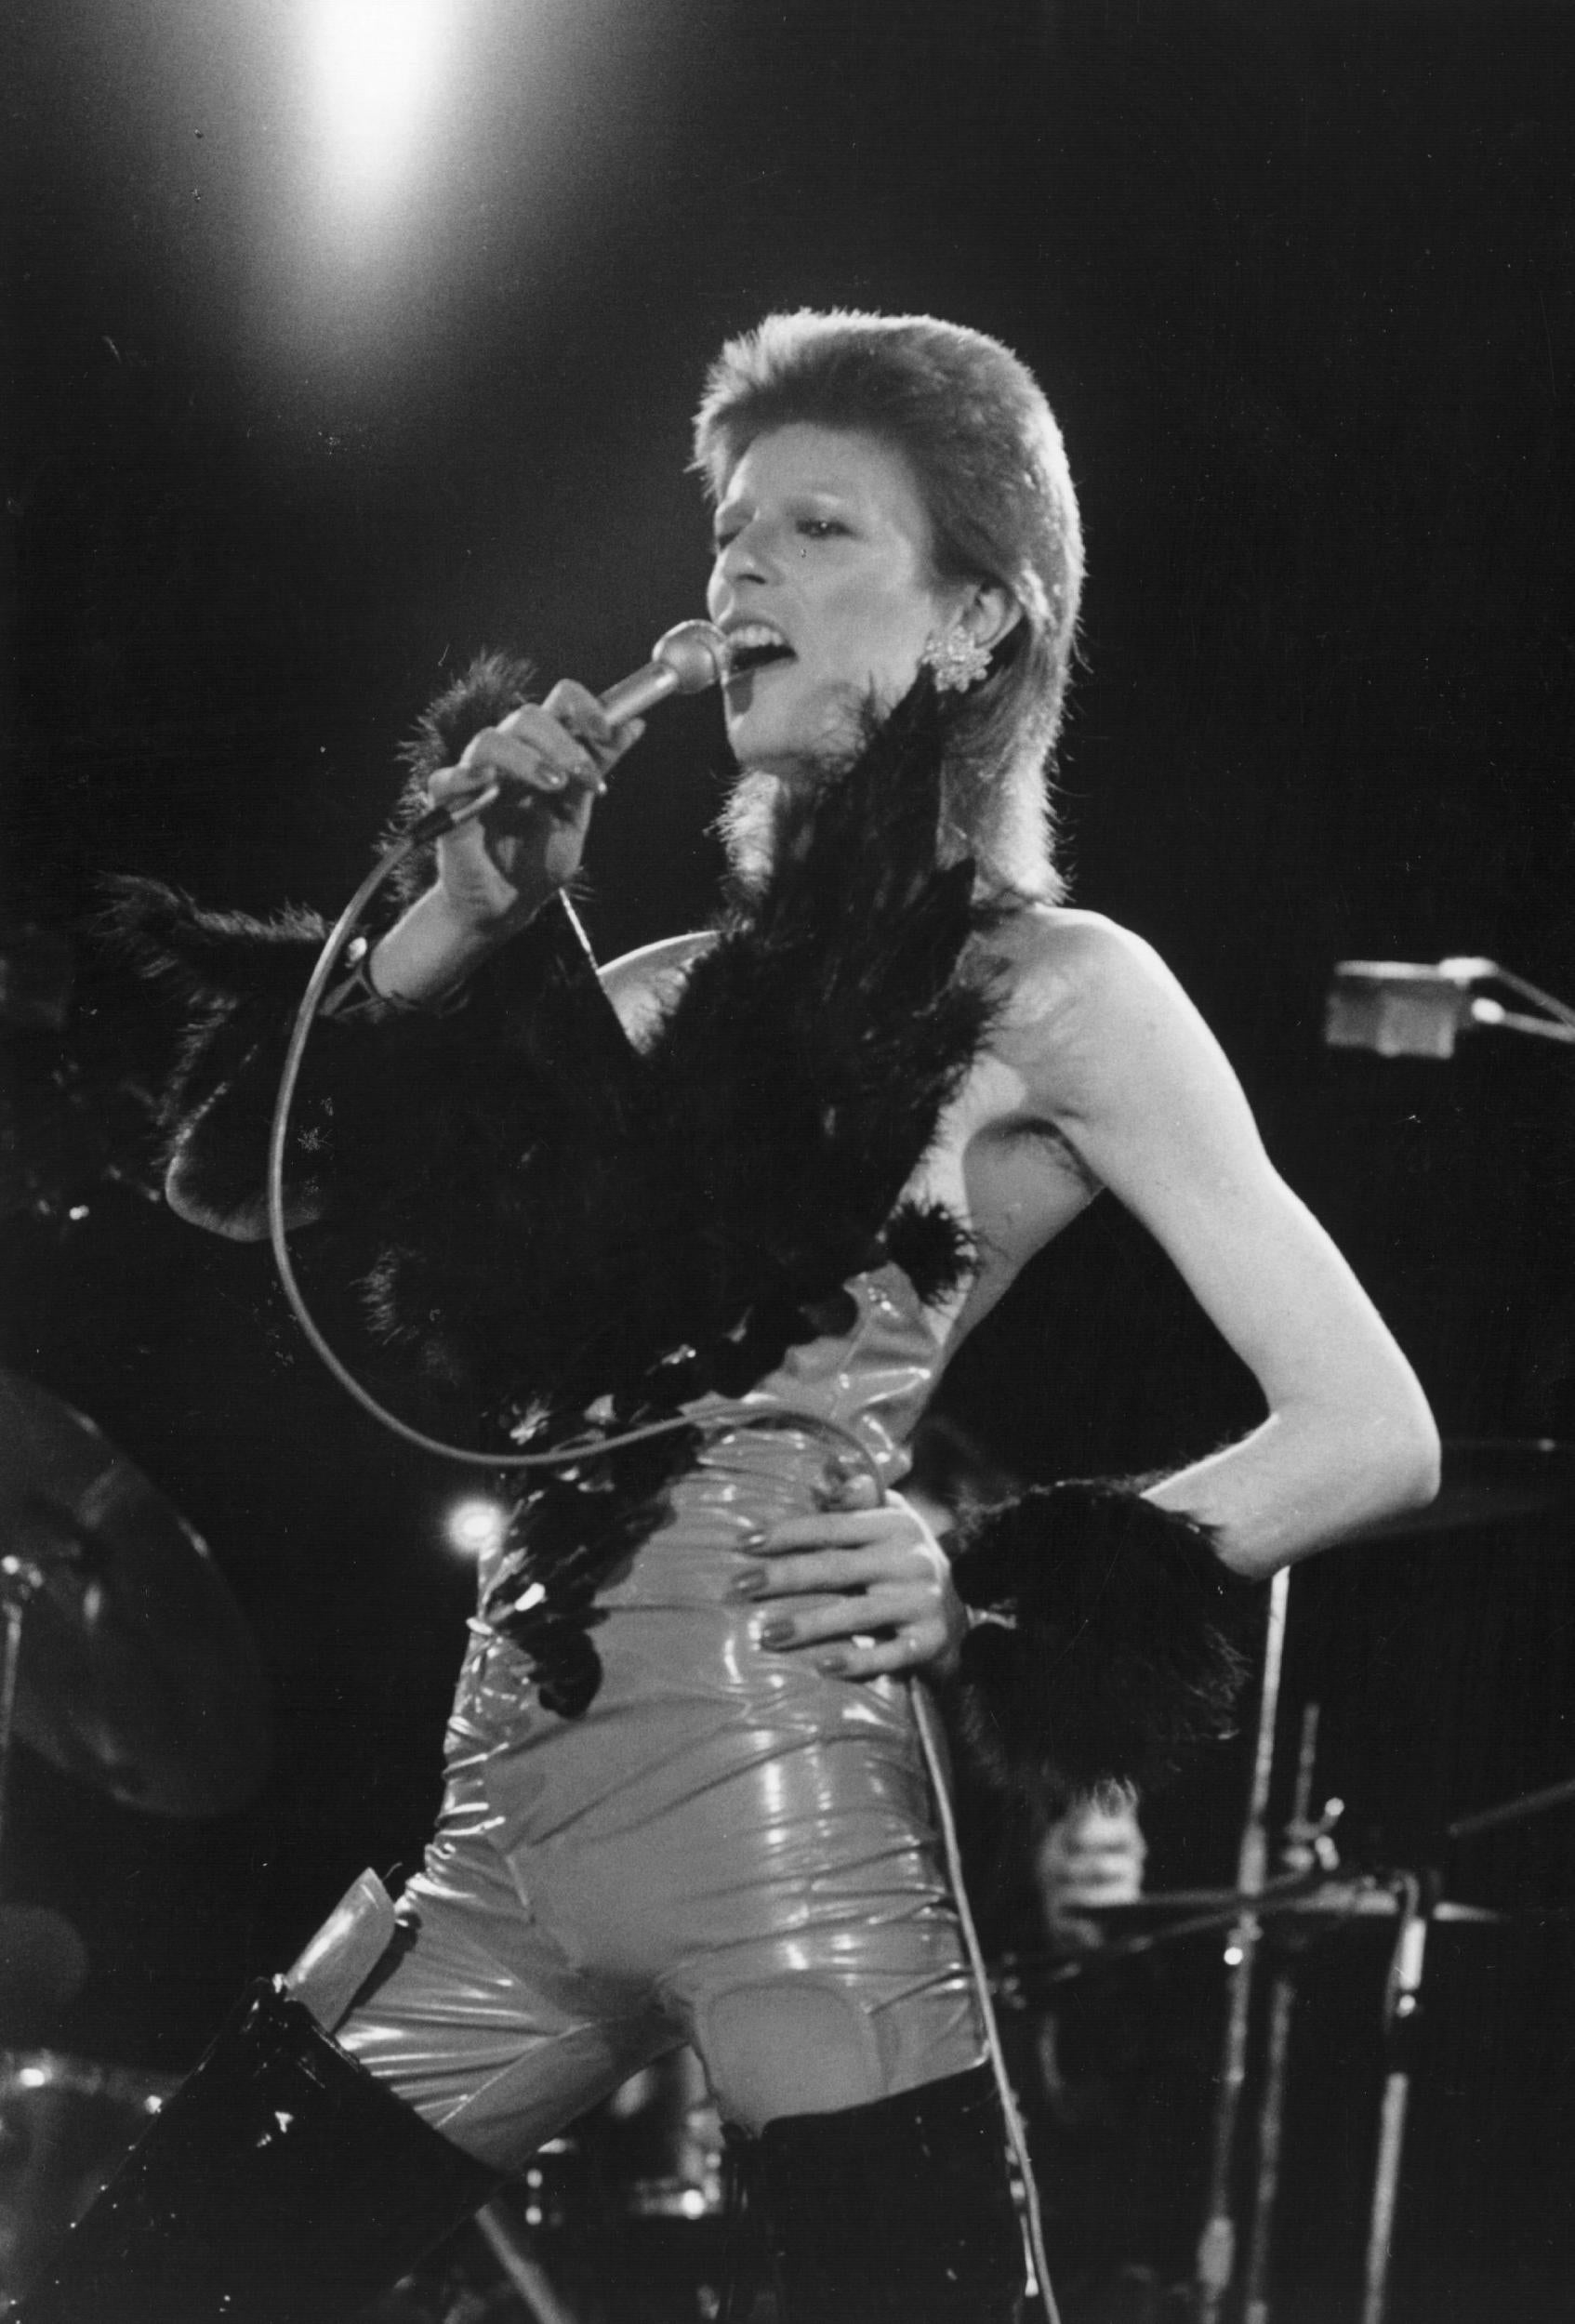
(787, 1162)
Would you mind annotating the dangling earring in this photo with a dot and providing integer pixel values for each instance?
(957, 661)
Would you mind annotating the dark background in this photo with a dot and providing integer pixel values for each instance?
(1298, 280)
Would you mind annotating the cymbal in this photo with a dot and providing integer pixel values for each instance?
(1179, 1913)
(138, 1672)
(1488, 1481)
(1334, 1899)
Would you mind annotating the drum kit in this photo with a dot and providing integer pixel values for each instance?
(127, 1665)
(1487, 1482)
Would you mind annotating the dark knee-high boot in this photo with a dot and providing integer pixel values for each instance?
(281, 2185)
(898, 2209)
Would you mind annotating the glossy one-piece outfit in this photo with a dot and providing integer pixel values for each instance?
(728, 1847)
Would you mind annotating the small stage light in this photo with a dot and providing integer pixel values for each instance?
(475, 1527)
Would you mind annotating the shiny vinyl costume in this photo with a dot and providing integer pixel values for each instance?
(728, 1847)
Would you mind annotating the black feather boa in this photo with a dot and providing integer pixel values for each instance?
(666, 1225)
(1119, 1645)
(562, 1223)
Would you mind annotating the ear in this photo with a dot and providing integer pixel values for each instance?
(990, 614)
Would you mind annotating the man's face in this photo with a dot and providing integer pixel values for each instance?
(823, 584)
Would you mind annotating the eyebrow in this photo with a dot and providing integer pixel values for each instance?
(841, 493)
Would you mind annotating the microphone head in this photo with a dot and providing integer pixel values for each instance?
(696, 652)
(1398, 1008)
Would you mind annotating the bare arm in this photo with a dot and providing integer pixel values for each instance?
(1104, 1046)
(1117, 1057)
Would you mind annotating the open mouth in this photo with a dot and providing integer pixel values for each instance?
(755, 645)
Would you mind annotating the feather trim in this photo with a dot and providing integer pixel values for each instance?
(494, 685)
(205, 956)
(237, 981)
(1120, 1648)
(562, 1223)
(667, 1222)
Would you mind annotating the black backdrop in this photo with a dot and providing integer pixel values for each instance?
(1298, 280)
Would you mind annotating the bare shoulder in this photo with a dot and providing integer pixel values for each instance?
(1090, 1005)
(1059, 957)
(644, 984)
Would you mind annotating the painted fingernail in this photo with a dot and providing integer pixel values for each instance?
(748, 1584)
(831, 1666)
(777, 1634)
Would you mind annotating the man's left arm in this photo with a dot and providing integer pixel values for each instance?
(1133, 1079)
(1116, 1060)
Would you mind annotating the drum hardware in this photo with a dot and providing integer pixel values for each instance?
(65, 2125)
(1410, 1898)
(139, 1674)
(1419, 1907)
(1404, 1008)
(687, 2182)
(1021, 1979)
(125, 1662)
(569, 2240)
(1312, 1889)
(524, 2270)
(1309, 1844)
(20, 1581)
(1486, 1481)
(1513, 1811)
(1215, 2261)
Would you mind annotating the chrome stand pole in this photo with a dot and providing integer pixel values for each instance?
(1216, 2245)
(1282, 2008)
(1400, 2017)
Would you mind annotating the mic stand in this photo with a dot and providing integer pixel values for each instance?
(1417, 1896)
(1216, 2245)
(1304, 1839)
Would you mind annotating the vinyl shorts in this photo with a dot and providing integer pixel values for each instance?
(728, 1849)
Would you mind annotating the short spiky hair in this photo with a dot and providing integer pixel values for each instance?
(987, 455)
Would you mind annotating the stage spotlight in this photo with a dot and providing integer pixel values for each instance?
(476, 1525)
(375, 68)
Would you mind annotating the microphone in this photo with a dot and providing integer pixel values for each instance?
(686, 660)
(1402, 1008)
(1407, 1008)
